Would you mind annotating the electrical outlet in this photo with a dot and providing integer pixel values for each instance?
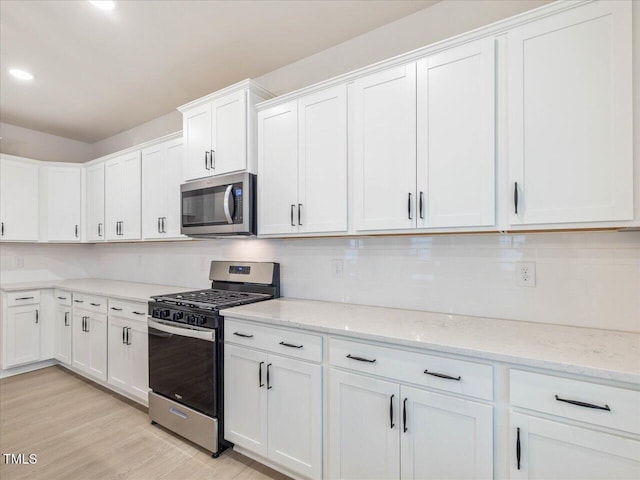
(338, 268)
(526, 274)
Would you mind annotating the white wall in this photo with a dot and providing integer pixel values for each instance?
(583, 279)
(42, 146)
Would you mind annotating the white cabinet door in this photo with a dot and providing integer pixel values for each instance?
(295, 415)
(363, 427)
(113, 198)
(551, 449)
(63, 320)
(278, 169)
(570, 117)
(81, 342)
(385, 149)
(229, 133)
(118, 354)
(322, 156)
(131, 197)
(445, 437)
(456, 132)
(22, 341)
(138, 346)
(19, 200)
(196, 128)
(245, 398)
(161, 179)
(63, 203)
(95, 202)
(97, 326)
(153, 196)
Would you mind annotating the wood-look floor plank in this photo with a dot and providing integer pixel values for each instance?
(82, 431)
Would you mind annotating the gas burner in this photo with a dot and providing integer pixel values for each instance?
(211, 299)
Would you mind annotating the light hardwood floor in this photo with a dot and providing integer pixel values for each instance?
(81, 431)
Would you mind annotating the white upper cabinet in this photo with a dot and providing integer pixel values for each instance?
(456, 132)
(122, 197)
(19, 196)
(570, 117)
(63, 200)
(219, 129)
(302, 158)
(385, 149)
(161, 178)
(94, 181)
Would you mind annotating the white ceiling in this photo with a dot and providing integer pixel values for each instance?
(98, 73)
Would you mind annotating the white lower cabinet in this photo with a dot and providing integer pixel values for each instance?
(128, 356)
(90, 343)
(545, 449)
(63, 334)
(273, 408)
(22, 330)
(384, 430)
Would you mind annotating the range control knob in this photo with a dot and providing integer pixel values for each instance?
(191, 319)
(200, 320)
(178, 316)
(165, 313)
(155, 313)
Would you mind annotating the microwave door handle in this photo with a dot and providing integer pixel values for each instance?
(228, 195)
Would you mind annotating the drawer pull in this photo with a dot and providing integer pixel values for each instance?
(442, 375)
(138, 313)
(243, 335)
(178, 413)
(583, 404)
(24, 298)
(285, 344)
(361, 359)
(62, 298)
(518, 449)
(116, 309)
(95, 304)
(79, 301)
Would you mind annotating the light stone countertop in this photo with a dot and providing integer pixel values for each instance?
(135, 292)
(604, 354)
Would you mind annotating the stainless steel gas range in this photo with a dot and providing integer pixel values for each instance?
(186, 341)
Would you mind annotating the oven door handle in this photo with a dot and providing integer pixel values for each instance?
(209, 336)
(228, 195)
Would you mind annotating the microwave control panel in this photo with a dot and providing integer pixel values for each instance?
(237, 202)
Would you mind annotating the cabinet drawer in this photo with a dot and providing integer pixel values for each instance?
(29, 297)
(91, 303)
(62, 297)
(448, 374)
(286, 342)
(128, 310)
(618, 408)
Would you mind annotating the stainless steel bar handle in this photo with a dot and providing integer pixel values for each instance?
(228, 194)
(121, 227)
(292, 207)
(205, 334)
(164, 219)
(206, 160)
(213, 159)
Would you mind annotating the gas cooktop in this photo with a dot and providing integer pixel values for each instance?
(211, 299)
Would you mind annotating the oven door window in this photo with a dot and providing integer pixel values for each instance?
(183, 369)
(205, 207)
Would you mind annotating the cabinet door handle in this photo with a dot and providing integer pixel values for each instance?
(213, 159)
(260, 384)
(37, 315)
(243, 335)
(116, 309)
(269, 387)
(518, 448)
(128, 335)
(391, 411)
(404, 415)
(87, 324)
(121, 227)
(2, 229)
(361, 359)
(299, 214)
(515, 196)
(124, 330)
(584, 404)
(164, 219)
(76, 231)
(442, 375)
(117, 228)
(24, 298)
(409, 214)
(84, 328)
(66, 319)
(285, 344)
(99, 229)
(421, 205)
(159, 230)
(292, 207)
(206, 160)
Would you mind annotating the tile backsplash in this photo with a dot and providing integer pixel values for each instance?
(589, 279)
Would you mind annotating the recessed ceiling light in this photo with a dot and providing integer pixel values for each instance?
(21, 74)
(103, 4)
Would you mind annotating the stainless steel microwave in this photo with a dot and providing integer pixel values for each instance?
(219, 206)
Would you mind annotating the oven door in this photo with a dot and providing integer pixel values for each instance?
(182, 365)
